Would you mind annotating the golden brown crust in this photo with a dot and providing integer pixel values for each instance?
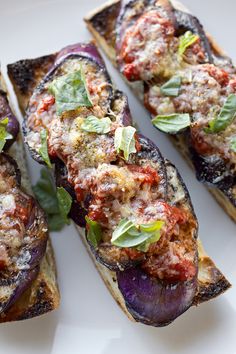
(43, 295)
(98, 28)
(209, 287)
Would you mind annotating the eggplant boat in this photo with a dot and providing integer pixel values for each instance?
(28, 285)
(130, 205)
(183, 79)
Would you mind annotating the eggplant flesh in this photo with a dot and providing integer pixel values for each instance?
(23, 263)
(153, 301)
(83, 53)
(104, 253)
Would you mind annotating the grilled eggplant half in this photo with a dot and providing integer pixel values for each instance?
(183, 79)
(24, 241)
(133, 210)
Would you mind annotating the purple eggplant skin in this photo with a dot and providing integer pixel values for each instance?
(149, 151)
(81, 49)
(19, 284)
(152, 301)
(13, 124)
(88, 53)
(16, 278)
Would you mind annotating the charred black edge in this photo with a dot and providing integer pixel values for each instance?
(23, 72)
(111, 11)
(36, 156)
(211, 291)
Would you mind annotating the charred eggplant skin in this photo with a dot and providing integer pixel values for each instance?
(17, 280)
(150, 152)
(85, 52)
(182, 292)
(211, 170)
(13, 124)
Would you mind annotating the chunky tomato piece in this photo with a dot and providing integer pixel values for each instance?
(198, 142)
(218, 74)
(46, 104)
(145, 173)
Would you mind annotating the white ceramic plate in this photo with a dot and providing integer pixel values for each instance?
(89, 321)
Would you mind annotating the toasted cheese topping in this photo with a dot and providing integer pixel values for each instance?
(108, 186)
(202, 97)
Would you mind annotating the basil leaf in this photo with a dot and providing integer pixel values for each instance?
(152, 227)
(55, 209)
(4, 135)
(125, 141)
(64, 202)
(127, 234)
(172, 123)
(233, 144)
(55, 222)
(225, 117)
(45, 193)
(185, 41)
(171, 87)
(70, 92)
(43, 150)
(124, 226)
(93, 124)
(94, 232)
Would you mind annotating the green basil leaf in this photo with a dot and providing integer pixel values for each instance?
(152, 227)
(171, 87)
(127, 234)
(125, 140)
(185, 41)
(70, 92)
(94, 232)
(55, 209)
(55, 222)
(172, 123)
(93, 124)
(4, 135)
(43, 150)
(233, 144)
(124, 226)
(152, 239)
(45, 193)
(225, 117)
(65, 202)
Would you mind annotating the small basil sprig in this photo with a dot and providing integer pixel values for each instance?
(55, 202)
(187, 39)
(233, 144)
(43, 150)
(64, 203)
(127, 234)
(225, 117)
(70, 92)
(125, 140)
(4, 135)
(172, 87)
(93, 124)
(94, 232)
(172, 123)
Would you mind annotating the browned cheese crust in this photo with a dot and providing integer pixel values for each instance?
(43, 295)
(211, 282)
(101, 23)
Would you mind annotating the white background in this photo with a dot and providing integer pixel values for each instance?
(89, 321)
